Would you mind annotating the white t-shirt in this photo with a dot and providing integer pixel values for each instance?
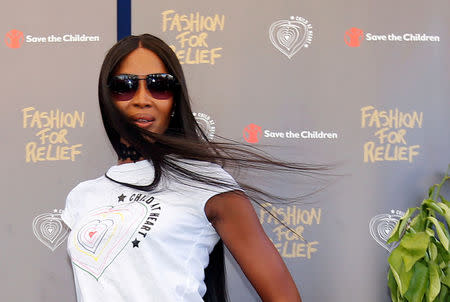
(130, 245)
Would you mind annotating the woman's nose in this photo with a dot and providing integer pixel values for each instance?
(143, 97)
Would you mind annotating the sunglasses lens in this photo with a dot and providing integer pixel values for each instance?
(123, 87)
(161, 86)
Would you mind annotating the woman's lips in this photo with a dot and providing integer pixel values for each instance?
(143, 120)
(143, 123)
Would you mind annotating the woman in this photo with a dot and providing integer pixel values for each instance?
(146, 230)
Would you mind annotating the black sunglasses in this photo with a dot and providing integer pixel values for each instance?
(160, 85)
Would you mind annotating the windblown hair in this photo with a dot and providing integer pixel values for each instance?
(184, 139)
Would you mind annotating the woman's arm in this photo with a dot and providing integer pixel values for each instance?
(235, 220)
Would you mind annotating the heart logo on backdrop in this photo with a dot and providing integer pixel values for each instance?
(380, 228)
(50, 229)
(102, 234)
(289, 36)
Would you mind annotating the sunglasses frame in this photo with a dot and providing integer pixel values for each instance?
(150, 79)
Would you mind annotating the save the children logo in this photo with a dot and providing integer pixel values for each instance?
(253, 133)
(381, 227)
(289, 36)
(14, 38)
(50, 229)
(354, 36)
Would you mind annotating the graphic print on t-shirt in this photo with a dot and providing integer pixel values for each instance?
(103, 233)
(90, 236)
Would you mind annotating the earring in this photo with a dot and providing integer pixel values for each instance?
(172, 114)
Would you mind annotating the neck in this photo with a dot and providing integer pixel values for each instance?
(128, 154)
(127, 161)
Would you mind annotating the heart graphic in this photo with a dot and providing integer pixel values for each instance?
(102, 234)
(381, 226)
(50, 229)
(289, 36)
(90, 239)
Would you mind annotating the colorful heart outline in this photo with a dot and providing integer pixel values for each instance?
(92, 243)
(115, 239)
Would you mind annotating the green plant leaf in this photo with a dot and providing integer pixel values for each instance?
(413, 247)
(431, 190)
(418, 284)
(434, 286)
(392, 286)
(418, 222)
(401, 276)
(440, 231)
(443, 295)
(432, 249)
(429, 232)
(442, 205)
(446, 279)
(400, 226)
(446, 211)
(399, 297)
(432, 205)
(445, 229)
(441, 251)
(444, 201)
(395, 235)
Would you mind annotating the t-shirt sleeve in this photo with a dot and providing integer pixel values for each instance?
(223, 176)
(205, 191)
(70, 214)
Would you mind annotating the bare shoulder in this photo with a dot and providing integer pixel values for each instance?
(228, 203)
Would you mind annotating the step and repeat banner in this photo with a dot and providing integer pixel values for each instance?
(359, 84)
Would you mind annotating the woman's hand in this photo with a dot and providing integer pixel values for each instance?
(236, 222)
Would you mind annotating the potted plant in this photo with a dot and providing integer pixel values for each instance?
(419, 267)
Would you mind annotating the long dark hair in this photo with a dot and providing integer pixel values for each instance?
(184, 139)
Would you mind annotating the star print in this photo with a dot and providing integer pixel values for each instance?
(135, 242)
(121, 197)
